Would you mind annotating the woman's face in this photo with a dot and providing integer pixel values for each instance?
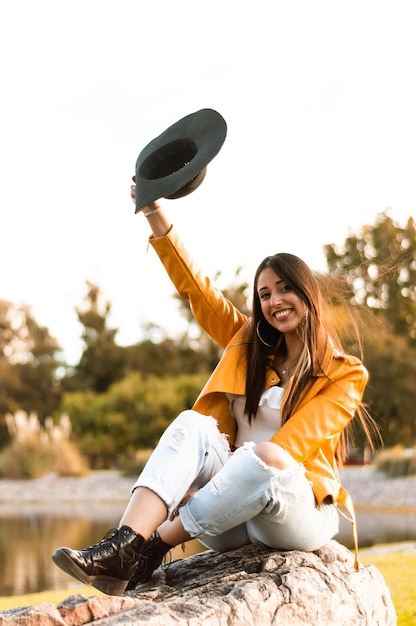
(281, 306)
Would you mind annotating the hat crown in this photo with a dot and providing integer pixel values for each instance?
(169, 159)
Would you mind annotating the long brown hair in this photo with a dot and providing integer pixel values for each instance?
(315, 331)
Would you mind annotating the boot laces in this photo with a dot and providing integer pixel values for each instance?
(114, 540)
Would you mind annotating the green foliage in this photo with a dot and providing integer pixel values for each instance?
(379, 264)
(132, 415)
(390, 393)
(102, 361)
(133, 464)
(171, 357)
(28, 364)
(391, 362)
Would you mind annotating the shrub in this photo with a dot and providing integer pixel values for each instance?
(132, 464)
(131, 415)
(396, 461)
(35, 451)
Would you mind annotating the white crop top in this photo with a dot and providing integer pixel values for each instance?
(268, 419)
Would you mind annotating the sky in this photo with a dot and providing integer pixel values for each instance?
(320, 105)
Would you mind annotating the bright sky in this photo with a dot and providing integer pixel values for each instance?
(320, 103)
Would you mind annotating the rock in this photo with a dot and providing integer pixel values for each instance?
(41, 614)
(249, 586)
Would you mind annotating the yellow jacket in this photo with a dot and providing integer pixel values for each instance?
(312, 432)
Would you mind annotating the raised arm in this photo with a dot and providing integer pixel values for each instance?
(215, 314)
(155, 215)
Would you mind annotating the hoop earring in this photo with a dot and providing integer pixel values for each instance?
(269, 345)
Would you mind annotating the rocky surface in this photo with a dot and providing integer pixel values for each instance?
(249, 586)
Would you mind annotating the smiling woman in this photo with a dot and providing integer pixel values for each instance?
(293, 396)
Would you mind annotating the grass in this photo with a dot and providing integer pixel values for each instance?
(399, 572)
(398, 568)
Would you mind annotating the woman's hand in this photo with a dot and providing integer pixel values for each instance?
(153, 211)
(148, 209)
(188, 495)
(133, 189)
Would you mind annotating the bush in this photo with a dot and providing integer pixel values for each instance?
(132, 464)
(131, 415)
(397, 461)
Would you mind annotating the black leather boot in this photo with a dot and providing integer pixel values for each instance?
(107, 565)
(151, 556)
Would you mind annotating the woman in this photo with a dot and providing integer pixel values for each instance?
(255, 460)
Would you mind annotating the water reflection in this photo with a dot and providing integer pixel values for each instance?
(28, 538)
(378, 527)
(26, 545)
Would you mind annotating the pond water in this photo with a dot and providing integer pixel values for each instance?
(28, 538)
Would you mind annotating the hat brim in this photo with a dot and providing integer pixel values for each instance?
(177, 159)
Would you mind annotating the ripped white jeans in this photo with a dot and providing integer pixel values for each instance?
(240, 500)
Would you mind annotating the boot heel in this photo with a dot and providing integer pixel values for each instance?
(110, 586)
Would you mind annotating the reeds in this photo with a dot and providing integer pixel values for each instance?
(36, 450)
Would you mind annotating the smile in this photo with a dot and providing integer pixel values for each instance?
(283, 313)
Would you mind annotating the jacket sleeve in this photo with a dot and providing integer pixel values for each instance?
(216, 315)
(326, 413)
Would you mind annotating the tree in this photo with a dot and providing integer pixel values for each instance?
(379, 267)
(379, 264)
(199, 341)
(390, 393)
(102, 361)
(28, 365)
(169, 357)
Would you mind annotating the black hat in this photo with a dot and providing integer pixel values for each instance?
(174, 164)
